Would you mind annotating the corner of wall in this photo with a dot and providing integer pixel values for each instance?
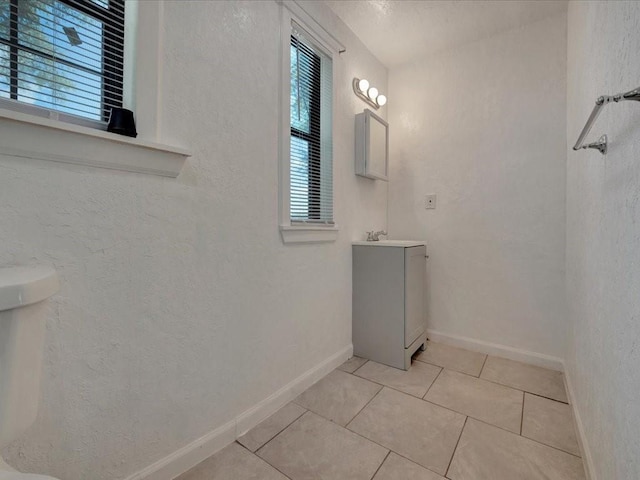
(585, 451)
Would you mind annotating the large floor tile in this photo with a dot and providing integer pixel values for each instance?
(352, 364)
(414, 381)
(541, 381)
(486, 401)
(549, 422)
(313, 448)
(339, 396)
(233, 463)
(266, 430)
(452, 358)
(418, 430)
(490, 453)
(396, 467)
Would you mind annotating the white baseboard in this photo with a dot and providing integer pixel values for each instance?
(497, 350)
(270, 405)
(190, 455)
(585, 452)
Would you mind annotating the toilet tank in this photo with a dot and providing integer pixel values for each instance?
(22, 327)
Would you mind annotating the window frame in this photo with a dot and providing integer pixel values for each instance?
(113, 78)
(293, 231)
(76, 143)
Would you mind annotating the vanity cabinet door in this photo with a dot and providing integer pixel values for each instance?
(414, 283)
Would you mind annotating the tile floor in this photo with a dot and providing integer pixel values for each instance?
(455, 414)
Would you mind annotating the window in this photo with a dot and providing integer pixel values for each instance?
(310, 162)
(77, 139)
(62, 55)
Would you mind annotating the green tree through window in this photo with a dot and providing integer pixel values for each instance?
(305, 132)
(64, 55)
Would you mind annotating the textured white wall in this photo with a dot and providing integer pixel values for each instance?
(483, 127)
(180, 307)
(603, 236)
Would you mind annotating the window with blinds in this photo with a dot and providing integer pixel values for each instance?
(63, 55)
(311, 164)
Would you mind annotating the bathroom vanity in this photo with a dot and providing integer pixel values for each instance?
(389, 318)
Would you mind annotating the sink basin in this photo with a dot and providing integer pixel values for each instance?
(392, 243)
(21, 286)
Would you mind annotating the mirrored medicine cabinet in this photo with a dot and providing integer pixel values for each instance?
(372, 146)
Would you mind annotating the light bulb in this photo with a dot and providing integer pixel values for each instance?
(381, 100)
(363, 85)
(373, 93)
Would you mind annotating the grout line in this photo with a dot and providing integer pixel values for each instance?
(265, 443)
(457, 371)
(280, 431)
(346, 427)
(526, 391)
(424, 361)
(390, 450)
(433, 364)
(389, 386)
(381, 463)
(449, 368)
(354, 372)
(472, 376)
(549, 398)
(348, 430)
(522, 413)
(501, 428)
(264, 460)
(483, 364)
(434, 381)
(551, 446)
(495, 382)
(489, 381)
(425, 400)
(468, 416)
(531, 439)
(365, 406)
(456, 447)
(376, 383)
(418, 398)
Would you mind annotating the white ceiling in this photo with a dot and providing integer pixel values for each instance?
(399, 31)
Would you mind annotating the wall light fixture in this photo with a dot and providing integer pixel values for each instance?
(363, 89)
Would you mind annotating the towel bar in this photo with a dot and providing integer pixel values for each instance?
(601, 144)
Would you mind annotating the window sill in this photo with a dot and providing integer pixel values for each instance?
(308, 234)
(67, 143)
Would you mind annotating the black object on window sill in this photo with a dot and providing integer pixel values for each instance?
(121, 122)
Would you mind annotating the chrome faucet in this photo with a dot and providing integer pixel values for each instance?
(375, 236)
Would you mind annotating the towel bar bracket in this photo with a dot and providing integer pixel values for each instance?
(601, 144)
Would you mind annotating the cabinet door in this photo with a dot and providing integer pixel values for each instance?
(414, 283)
(378, 148)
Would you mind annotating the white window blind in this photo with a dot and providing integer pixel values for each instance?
(311, 162)
(63, 55)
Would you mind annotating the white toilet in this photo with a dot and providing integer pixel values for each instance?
(22, 327)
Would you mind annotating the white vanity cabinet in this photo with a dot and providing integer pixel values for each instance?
(389, 317)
